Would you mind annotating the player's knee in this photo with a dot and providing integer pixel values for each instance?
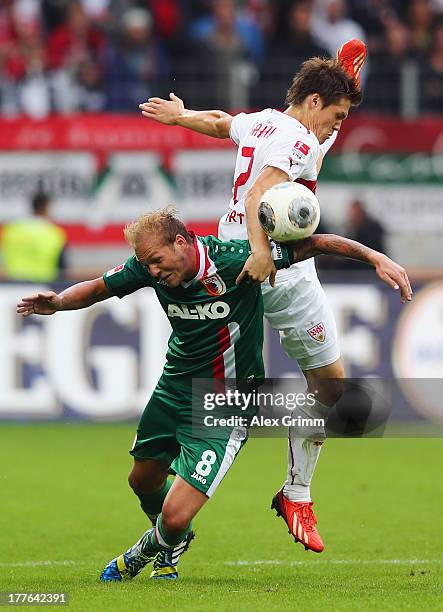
(328, 391)
(141, 482)
(134, 481)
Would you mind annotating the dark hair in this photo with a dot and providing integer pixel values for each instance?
(40, 202)
(327, 78)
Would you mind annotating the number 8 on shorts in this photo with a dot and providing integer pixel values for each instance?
(204, 466)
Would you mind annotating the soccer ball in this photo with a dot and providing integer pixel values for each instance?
(289, 211)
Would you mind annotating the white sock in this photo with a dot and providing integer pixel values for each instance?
(303, 453)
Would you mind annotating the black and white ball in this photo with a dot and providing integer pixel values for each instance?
(289, 211)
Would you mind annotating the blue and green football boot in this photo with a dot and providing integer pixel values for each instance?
(165, 562)
(130, 563)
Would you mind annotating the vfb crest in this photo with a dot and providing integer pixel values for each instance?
(318, 332)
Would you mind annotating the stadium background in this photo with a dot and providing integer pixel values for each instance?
(71, 76)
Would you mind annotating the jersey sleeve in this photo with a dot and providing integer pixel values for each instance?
(127, 278)
(293, 157)
(229, 256)
(281, 254)
(240, 124)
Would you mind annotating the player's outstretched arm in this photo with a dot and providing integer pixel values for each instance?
(329, 244)
(78, 296)
(214, 123)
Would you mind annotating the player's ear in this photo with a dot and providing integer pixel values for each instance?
(180, 240)
(316, 102)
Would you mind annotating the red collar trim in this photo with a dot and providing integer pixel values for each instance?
(202, 260)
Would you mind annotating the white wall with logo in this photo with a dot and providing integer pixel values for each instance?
(102, 363)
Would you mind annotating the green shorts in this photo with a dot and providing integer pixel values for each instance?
(165, 433)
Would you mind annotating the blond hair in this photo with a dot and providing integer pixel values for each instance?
(162, 224)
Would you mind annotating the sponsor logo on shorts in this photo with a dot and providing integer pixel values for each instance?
(214, 310)
(114, 270)
(214, 284)
(198, 477)
(318, 332)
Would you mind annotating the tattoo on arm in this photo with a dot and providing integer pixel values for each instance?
(331, 244)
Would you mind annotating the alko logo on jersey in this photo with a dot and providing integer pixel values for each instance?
(214, 310)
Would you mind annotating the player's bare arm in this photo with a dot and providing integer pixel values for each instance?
(259, 265)
(329, 244)
(214, 123)
(78, 296)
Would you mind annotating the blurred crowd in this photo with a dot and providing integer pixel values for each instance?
(66, 56)
(359, 225)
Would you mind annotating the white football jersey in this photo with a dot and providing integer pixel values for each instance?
(268, 138)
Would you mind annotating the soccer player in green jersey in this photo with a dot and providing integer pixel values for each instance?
(217, 333)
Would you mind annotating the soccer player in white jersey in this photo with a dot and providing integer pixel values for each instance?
(274, 147)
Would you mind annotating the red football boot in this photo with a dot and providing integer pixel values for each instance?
(301, 521)
(352, 55)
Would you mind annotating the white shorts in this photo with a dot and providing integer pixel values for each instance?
(298, 309)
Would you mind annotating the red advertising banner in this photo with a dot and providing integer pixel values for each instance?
(108, 133)
(81, 235)
(104, 170)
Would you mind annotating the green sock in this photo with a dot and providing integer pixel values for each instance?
(169, 540)
(150, 545)
(151, 503)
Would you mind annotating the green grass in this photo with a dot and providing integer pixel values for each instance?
(64, 498)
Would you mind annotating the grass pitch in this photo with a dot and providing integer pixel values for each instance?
(66, 510)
